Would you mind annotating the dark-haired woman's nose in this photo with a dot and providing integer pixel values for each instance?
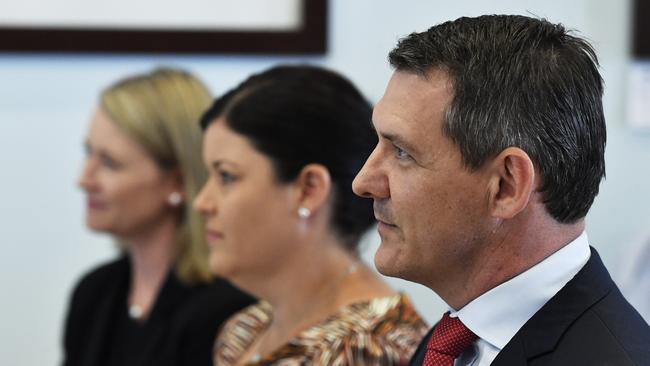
(204, 203)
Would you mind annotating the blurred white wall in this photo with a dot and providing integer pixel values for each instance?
(45, 102)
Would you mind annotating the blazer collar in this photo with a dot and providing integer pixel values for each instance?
(100, 333)
(169, 299)
(542, 332)
(171, 295)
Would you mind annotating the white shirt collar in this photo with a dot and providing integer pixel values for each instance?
(498, 314)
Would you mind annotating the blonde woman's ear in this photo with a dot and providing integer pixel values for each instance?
(175, 199)
(304, 212)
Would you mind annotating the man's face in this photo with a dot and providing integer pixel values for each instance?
(431, 209)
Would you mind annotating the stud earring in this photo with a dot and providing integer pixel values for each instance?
(304, 212)
(175, 199)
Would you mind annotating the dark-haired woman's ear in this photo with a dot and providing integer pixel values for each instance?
(314, 185)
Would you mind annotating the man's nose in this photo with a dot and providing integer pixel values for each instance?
(371, 181)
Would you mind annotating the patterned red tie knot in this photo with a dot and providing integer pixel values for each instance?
(449, 339)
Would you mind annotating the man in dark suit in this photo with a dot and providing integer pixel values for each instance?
(490, 154)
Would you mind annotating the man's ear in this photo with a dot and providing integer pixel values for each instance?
(314, 185)
(512, 182)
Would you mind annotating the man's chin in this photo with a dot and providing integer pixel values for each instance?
(387, 261)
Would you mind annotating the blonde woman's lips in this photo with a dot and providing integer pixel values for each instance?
(95, 204)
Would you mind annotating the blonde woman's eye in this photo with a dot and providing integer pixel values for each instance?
(109, 162)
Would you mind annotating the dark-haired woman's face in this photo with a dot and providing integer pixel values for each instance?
(250, 218)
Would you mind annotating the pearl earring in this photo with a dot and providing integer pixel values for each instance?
(304, 212)
(175, 199)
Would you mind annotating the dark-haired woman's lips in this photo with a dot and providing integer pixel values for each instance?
(213, 236)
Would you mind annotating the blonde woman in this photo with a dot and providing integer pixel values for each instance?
(157, 304)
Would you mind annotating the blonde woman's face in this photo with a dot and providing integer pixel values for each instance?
(127, 192)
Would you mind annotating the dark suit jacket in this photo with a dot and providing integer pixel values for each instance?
(181, 327)
(587, 323)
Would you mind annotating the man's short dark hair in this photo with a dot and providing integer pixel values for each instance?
(520, 82)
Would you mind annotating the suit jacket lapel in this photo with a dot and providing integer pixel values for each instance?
(542, 332)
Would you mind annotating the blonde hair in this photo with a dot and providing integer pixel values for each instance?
(161, 111)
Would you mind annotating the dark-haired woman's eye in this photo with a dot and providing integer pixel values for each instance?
(226, 178)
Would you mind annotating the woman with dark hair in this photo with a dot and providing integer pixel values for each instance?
(283, 223)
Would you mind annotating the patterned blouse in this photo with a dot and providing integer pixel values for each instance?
(382, 331)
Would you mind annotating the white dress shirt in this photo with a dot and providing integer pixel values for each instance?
(497, 315)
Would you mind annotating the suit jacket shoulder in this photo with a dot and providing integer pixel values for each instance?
(588, 322)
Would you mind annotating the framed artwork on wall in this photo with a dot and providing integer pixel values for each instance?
(641, 29)
(164, 26)
(638, 93)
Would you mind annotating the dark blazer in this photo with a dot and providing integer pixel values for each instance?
(181, 327)
(588, 322)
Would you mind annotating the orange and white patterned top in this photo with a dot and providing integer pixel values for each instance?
(382, 331)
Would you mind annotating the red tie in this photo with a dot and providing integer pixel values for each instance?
(449, 339)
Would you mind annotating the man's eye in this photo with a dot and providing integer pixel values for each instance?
(401, 153)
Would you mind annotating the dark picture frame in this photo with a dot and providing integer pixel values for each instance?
(641, 29)
(310, 38)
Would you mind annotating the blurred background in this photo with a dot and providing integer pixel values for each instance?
(46, 100)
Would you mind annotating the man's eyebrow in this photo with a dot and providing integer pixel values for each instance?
(400, 141)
